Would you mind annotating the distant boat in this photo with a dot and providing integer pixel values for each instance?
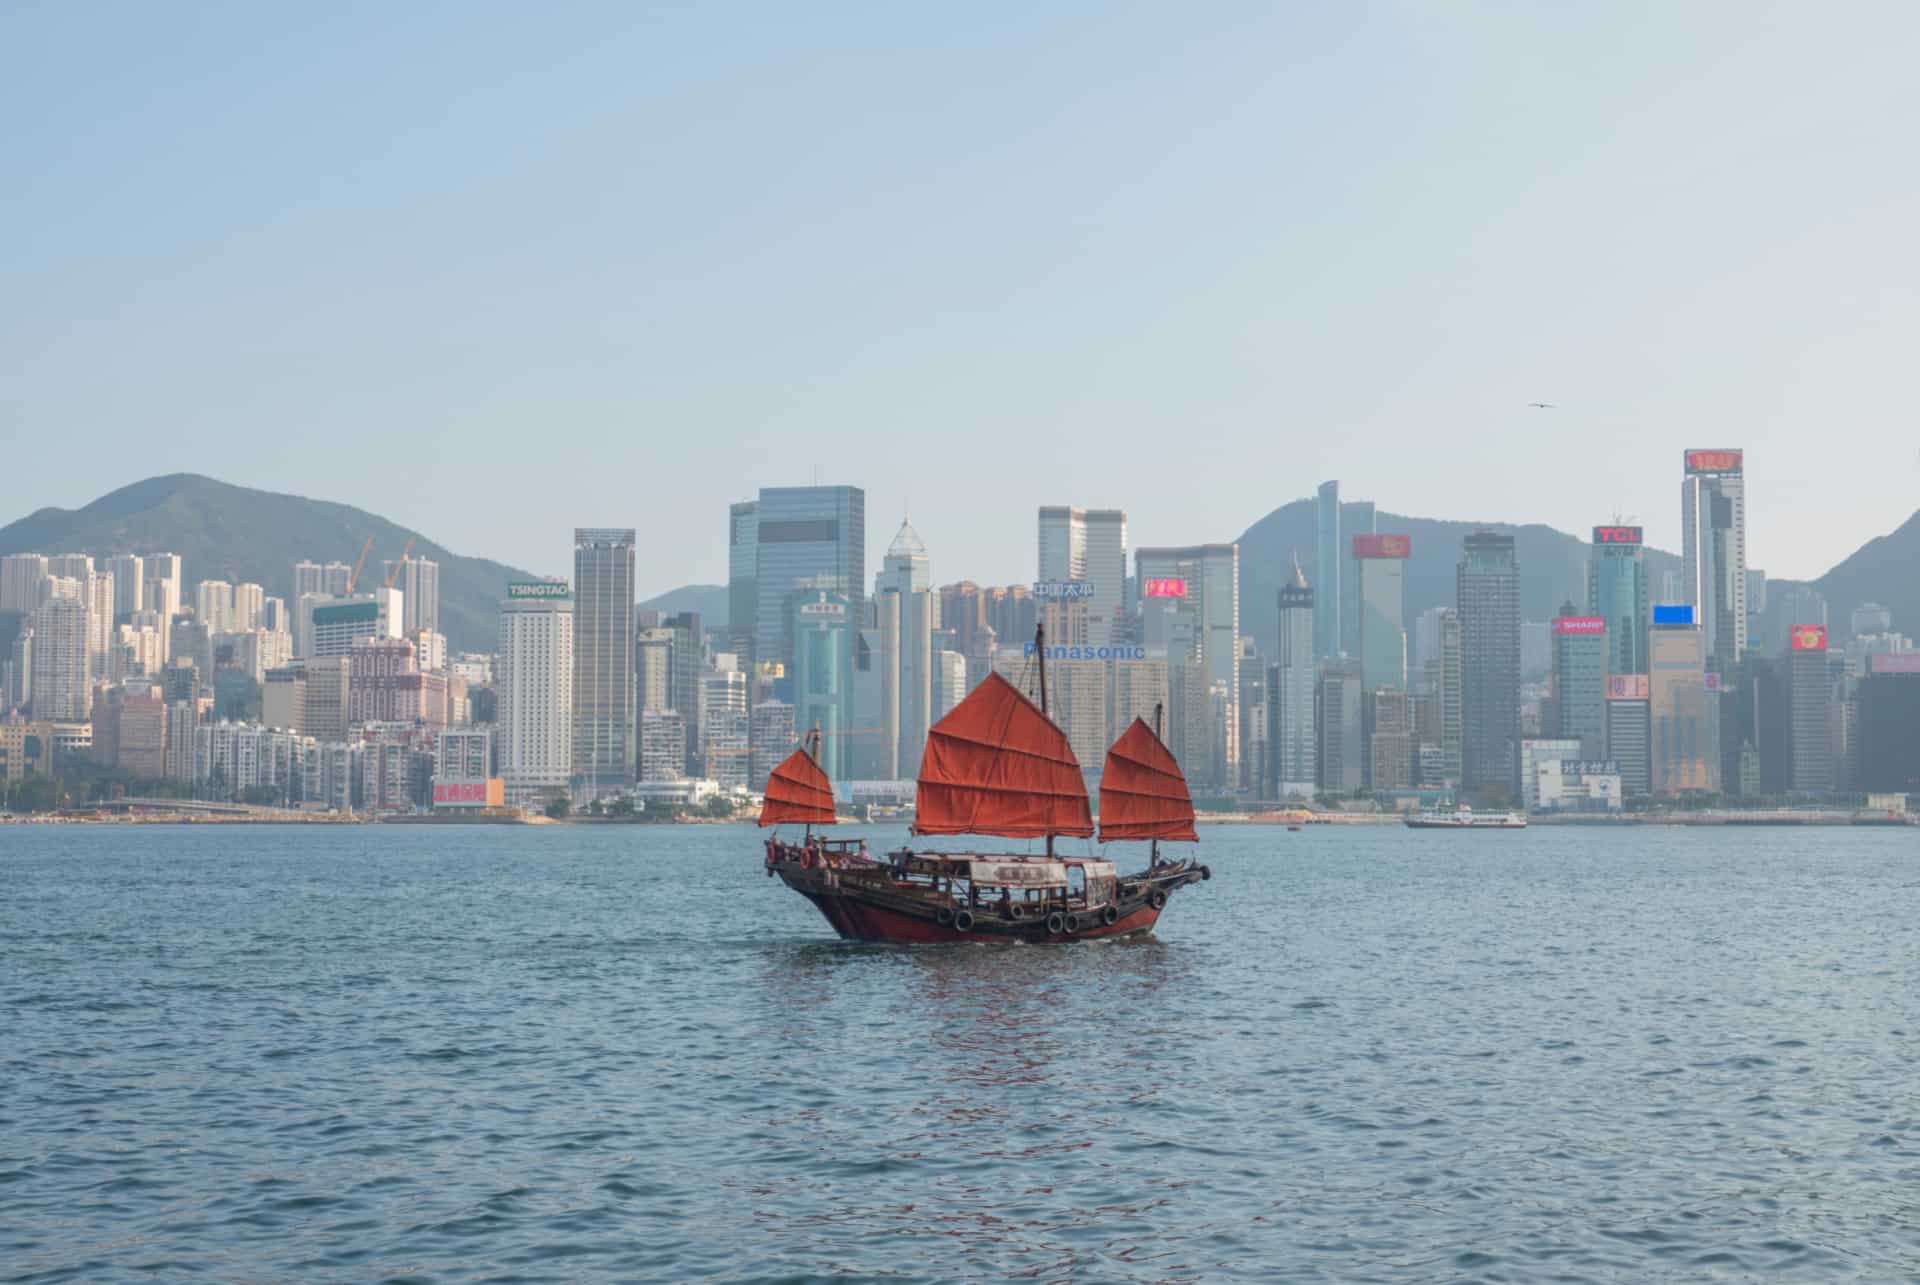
(996, 765)
(1465, 818)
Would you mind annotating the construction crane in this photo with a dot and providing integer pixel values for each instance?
(394, 570)
(354, 579)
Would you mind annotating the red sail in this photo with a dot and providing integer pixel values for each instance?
(798, 791)
(997, 765)
(1142, 793)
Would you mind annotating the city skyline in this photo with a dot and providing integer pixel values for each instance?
(1027, 267)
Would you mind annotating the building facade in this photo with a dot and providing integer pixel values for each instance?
(1713, 538)
(603, 704)
(1488, 588)
(533, 677)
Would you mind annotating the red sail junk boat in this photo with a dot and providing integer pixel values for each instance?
(995, 765)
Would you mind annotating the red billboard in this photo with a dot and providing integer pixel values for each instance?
(1382, 546)
(1580, 625)
(1169, 588)
(1711, 681)
(1629, 687)
(1617, 535)
(472, 794)
(1714, 461)
(1809, 637)
(1907, 662)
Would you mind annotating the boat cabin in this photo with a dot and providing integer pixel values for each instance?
(1018, 886)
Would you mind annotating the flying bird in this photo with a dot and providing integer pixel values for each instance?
(1541, 405)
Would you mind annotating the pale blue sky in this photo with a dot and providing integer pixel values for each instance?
(495, 271)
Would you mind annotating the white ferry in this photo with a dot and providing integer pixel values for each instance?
(1465, 818)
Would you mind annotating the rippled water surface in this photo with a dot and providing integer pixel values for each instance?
(562, 1053)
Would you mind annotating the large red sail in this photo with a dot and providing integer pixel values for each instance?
(798, 791)
(997, 765)
(1142, 792)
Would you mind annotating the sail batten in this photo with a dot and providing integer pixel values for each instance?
(997, 765)
(798, 791)
(1143, 794)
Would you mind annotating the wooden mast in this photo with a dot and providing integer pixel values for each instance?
(813, 752)
(1156, 736)
(1040, 650)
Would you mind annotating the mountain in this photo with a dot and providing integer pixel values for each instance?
(710, 600)
(236, 534)
(1885, 570)
(1553, 564)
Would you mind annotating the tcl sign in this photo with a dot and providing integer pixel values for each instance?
(1713, 461)
(1809, 637)
(1580, 625)
(1616, 535)
(1382, 546)
(1165, 589)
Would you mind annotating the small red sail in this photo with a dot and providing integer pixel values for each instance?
(1142, 792)
(798, 791)
(997, 765)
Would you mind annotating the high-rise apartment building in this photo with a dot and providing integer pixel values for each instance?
(418, 580)
(533, 680)
(62, 666)
(1446, 680)
(213, 605)
(771, 737)
(249, 605)
(1290, 740)
(1580, 650)
(1380, 592)
(663, 745)
(1329, 555)
(21, 575)
(1713, 540)
(1617, 593)
(604, 708)
(806, 538)
(1088, 547)
(162, 593)
(1488, 588)
(1630, 732)
(1810, 693)
(329, 627)
(1683, 706)
(129, 584)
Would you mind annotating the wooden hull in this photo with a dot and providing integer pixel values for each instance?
(861, 907)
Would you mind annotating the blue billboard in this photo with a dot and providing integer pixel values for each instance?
(1677, 615)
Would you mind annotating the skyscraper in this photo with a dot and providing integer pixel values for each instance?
(1713, 538)
(906, 611)
(1201, 582)
(534, 724)
(603, 697)
(1088, 546)
(1810, 693)
(1580, 681)
(1683, 706)
(1290, 691)
(743, 539)
(1488, 589)
(1446, 688)
(1617, 593)
(1380, 563)
(823, 636)
(1327, 557)
(1359, 519)
(1340, 727)
(20, 577)
(805, 538)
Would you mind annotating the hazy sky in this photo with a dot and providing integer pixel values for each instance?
(495, 271)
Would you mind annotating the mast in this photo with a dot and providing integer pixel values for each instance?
(1040, 650)
(812, 744)
(1156, 735)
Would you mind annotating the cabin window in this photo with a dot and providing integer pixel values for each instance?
(1076, 884)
